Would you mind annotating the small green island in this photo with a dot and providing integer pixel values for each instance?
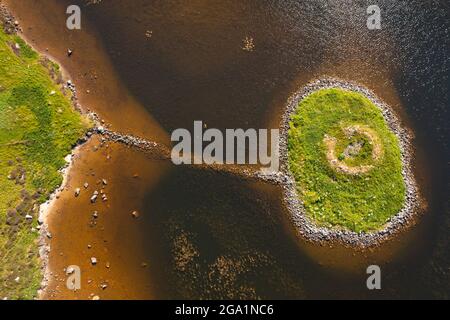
(39, 126)
(345, 160)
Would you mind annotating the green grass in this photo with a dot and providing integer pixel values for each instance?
(38, 128)
(361, 202)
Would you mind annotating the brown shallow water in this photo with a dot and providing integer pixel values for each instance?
(210, 235)
(113, 237)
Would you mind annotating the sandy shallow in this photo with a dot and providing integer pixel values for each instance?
(44, 211)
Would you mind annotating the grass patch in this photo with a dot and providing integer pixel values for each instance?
(355, 129)
(38, 128)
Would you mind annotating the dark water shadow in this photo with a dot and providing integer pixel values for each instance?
(212, 235)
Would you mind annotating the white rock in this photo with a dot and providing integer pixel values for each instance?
(94, 198)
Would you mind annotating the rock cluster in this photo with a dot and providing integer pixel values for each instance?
(10, 24)
(154, 148)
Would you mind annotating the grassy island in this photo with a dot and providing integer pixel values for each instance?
(38, 128)
(345, 160)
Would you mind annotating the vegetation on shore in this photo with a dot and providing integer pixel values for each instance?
(38, 128)
(346, 161)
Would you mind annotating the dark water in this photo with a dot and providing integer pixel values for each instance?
(212, 235)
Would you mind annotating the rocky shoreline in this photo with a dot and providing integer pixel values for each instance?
(46, 207)
(305, 227)
(12, 26)
(8, 21)
(99, 128)
(44, 211)
(156, 150)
